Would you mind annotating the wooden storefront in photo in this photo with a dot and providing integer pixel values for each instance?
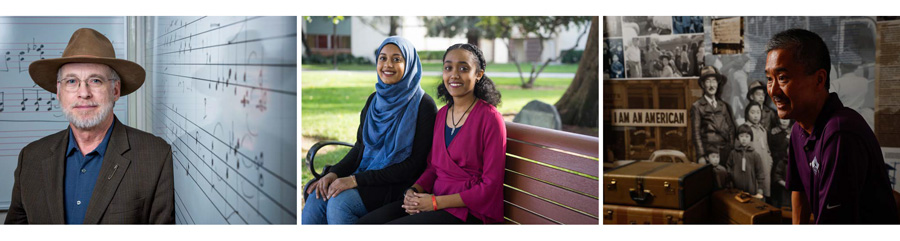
(649, 115)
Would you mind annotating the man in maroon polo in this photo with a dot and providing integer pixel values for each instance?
(836, 171)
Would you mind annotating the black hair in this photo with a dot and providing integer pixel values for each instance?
(484, 87)
(745, 128)
(808, 48)
(747, 110)
(711, 149)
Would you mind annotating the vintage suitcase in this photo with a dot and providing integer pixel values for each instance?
(658, 184)
(622, 214)
(727, 208)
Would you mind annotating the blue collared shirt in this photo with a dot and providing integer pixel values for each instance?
(81, 175)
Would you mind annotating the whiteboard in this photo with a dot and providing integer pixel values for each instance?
(28, 112)
(225, 97)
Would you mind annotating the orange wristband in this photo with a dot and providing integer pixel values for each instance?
(434, 202)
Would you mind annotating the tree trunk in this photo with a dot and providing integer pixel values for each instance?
(579, 105)
(395, 23)
(333, 45)
(472, 37)
(306, 51)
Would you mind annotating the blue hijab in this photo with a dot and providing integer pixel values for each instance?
(390, 122)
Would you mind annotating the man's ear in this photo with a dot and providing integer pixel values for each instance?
(821, 76)
(117, 92)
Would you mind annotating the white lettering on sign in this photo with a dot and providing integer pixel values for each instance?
(649, 117)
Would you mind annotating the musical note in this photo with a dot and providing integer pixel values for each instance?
(24, 98)
(2, 100)
(6, 62)
(21, 59)
(37, 102)
(245, 101)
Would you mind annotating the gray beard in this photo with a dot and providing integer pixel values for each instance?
(89, 122)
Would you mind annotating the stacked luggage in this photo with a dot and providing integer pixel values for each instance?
(677, 193)
(657, 193)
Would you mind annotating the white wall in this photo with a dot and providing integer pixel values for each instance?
(364, 39)
(501, 52)
(414, 30)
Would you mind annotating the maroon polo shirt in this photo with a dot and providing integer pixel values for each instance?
(841, 169)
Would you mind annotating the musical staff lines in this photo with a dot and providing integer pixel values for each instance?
(216, 81)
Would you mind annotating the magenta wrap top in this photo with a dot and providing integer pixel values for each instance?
(472, 165)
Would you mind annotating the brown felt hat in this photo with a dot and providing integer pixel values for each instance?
(88, 46)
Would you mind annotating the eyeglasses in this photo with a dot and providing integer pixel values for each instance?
(71, 85)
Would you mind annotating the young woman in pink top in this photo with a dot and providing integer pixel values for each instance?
(463, 183)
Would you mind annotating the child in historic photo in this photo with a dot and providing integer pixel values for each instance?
(723, 179)
(757, 93)
(779, 139)
(745, 165)
(753, 114)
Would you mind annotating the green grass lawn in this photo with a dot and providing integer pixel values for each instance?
(331, 103)
(526, 67)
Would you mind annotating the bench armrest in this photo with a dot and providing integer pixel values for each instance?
(311, 156)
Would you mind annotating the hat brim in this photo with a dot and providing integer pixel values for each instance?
(44, 72)
(721, 79)
(751, 90)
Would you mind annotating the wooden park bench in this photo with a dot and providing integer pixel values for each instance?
(551, 176)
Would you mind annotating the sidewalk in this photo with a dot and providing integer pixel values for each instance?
(490, 74)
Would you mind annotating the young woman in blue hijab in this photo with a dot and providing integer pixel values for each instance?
(392, 143)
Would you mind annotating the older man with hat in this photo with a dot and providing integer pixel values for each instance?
(712, 123)
(98, 170)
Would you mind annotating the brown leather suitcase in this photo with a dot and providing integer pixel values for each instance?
(658, 184)
(726, 208)
(621, 214)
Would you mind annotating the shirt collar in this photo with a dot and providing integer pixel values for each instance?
(101, 149)
(711, 101)
(832, 103)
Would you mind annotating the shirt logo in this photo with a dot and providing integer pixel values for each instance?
(814, 165)
(831, 207)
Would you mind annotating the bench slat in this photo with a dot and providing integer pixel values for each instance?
(556, 194)
(558, 177)
(581, 144)
(547, 209)
(524, 217)
(555, 158)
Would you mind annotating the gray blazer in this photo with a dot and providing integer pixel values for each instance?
(136, 184)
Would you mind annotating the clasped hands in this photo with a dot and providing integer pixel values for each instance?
(330, 186)
(414, 203)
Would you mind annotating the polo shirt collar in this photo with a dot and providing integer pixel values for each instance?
(832, 104)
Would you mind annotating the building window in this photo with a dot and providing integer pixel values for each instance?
(328, 44)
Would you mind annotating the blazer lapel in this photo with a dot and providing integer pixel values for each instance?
(56, 167)
(111, 173)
